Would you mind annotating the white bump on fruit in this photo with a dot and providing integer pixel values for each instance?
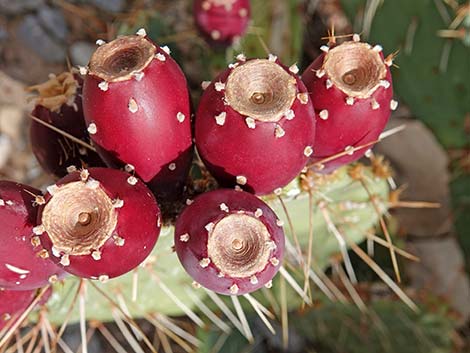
(96, 255)
(220, 118)
(103, 278)
(65, 260)
(180, 117)
(385, 84)
(172, 166)
(278, 191)
(250, 122)
(132, 180)
(234, 289)
(254, 279)
(349, 150)
(269, 284)
(325, 48)
(241, 57)
(92, 129)
(243, 12)
(118, 241)
(308, 151)
(377, 48)
(393, 104)
(138, 76)
(184, 237)
(166, 49)
(84, 174)
(132, 105)
(219, 86)
(215, 35)
(92, 184)
(279, 131)
(294, 69)
(375, 105)
(71, 169)
(258, 212)
(83, 70)
(320, 73)
(356, 37)
(205, 84)
(189, 202)
(129, 168)
(141, 32)
(204, 262)
(209, 226)
(196, 285)
(241, 180)
(289, 114)
(349, 100)
(52, 189)
(328, 84)
(303, 98)
(280, 223)
(224, 207)
(324, 114)
(160, 57)
(100, 42)
(272, 57)
(274, 261)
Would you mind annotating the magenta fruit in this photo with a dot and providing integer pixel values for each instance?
(60, 104)
(255, 125)
(222, 21)
(12, 304)
(229, 241)
(137, 108)
(98, 223)
(350, 85)
(21, 264)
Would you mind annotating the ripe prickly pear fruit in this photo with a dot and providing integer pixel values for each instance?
(12, 304)
(98, 223)
(255, 125)
(136, 105)
(222, 21)
(60, 104)
(229, 241)
(21, 264)
(350, 85)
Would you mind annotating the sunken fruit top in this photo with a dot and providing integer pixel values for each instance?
(261, 89)
(355, 68)
(79, 218)
(120, 59)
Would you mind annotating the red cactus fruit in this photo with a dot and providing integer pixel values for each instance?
(21, 264)
(350, 85)
(255, 125)
(222, 21)
(12, 304)
(229, 241)
(60, 104)
(98, 223)
(136, 105)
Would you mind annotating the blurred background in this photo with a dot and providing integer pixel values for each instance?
(430, 158)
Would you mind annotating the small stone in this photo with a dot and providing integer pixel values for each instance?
(109, 5)
(52, 19)
(35, 37)
(80, 52)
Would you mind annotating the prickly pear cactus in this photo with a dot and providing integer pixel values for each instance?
(161, 284)
(433, 40)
